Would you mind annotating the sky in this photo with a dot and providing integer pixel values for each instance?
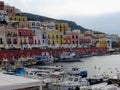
(92, 14)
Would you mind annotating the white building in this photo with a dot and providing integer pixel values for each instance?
(36, 27)
(49, 25)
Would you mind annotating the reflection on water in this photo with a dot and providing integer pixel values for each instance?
(97, 65)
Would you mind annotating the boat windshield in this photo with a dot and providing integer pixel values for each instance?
(69, 79)
(76, 80)
(74, 69)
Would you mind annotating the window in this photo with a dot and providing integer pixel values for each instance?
(43, 36)
(64, 27)
(61, 41)
(61, 36)
(60, 28)
(76, 42)
(76, 37)
(24, 34)
(56, 27)
(57, 36)
(20, 33)
(1, 42)
(38, 41)
(8, 41)
(73, 42)
(25, 41)
(72, 36)
(21, 42)
(34, 32)
(53, 43)
(33, 23)
(48, 36)
(35, 42)
(14, 41)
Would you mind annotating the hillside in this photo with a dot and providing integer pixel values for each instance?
(72, 24)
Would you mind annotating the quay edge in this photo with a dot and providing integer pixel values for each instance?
(52, 51)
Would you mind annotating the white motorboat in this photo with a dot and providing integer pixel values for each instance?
(47, 75)
(103, 86)
(44, 59)
(71, 82)
(77, 71)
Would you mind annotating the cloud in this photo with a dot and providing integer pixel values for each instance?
(84, 12)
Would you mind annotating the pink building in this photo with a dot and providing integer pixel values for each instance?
(25, 38)
(75, 38)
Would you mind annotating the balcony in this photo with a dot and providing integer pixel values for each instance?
(9, 35)
(14, 35)
(14, 42)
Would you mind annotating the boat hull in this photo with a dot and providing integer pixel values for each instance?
(69, 60)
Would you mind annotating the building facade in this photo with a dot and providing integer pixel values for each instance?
(18, 18)
(9, 10)
(36, 28)
(8, 37)
(25, 38)
(75, 38)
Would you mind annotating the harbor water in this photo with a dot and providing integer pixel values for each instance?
(96, 65)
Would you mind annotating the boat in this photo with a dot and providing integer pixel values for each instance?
(47, 74)
(68, 57)
(51, 68)
(104, 86)
(71, 83)
(44, 60)
(77, 71)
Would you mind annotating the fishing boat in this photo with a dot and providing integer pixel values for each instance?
(44, 60)
(45, 75)
(51, 68)
(71, 83)
(68, 57)
(77, 71)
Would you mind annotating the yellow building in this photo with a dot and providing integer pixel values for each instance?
(18, 18)
(22, 21)
(56, 36)
(102, 42)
